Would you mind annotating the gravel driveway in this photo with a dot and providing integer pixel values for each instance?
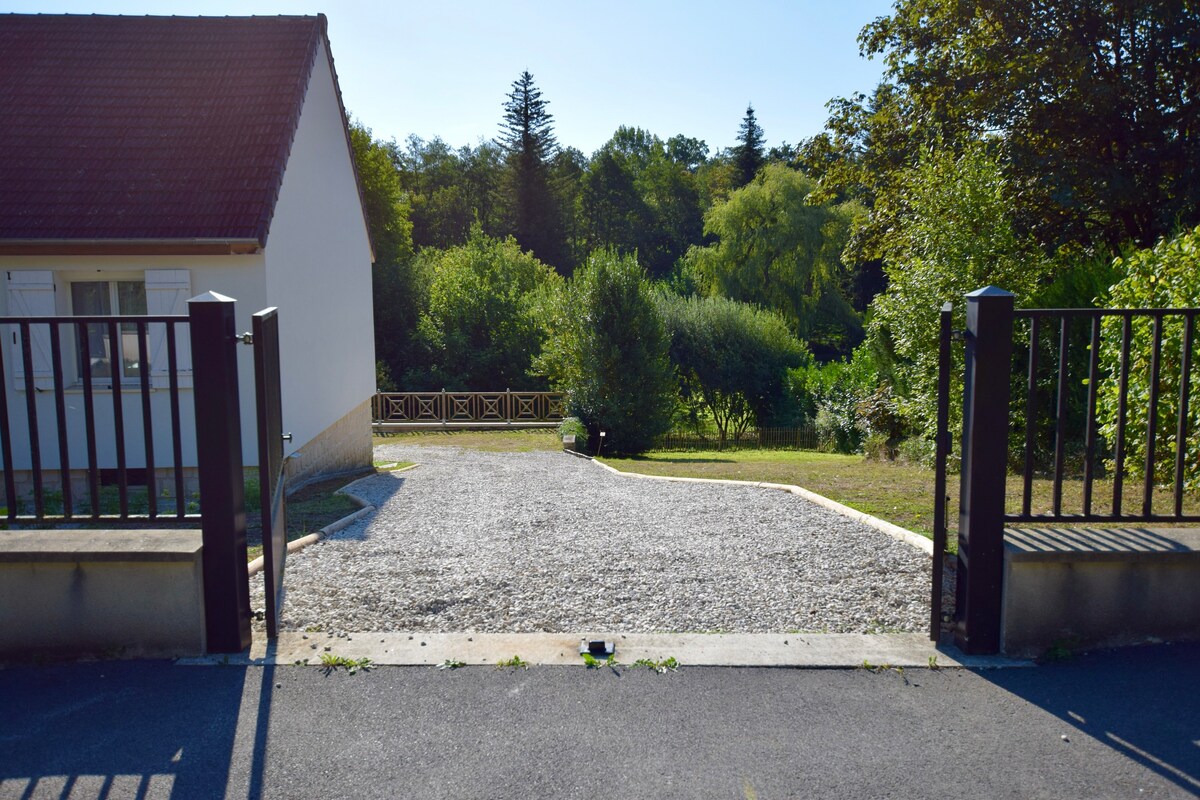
(524, 542)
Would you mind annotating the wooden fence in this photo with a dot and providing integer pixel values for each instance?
(399, 410)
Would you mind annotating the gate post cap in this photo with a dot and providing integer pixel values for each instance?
(211, 297)
(989, 291)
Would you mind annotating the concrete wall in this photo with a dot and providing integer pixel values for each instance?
(121, 593)
(1096, 587)
(318, 267)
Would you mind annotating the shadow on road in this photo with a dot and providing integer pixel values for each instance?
(1140, 701)
(132, 729)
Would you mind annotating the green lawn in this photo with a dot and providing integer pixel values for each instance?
(518, 441)
(899, 493)
(308, 510)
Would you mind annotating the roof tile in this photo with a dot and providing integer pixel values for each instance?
(148, 127)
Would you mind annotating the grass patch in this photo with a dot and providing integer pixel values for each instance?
(308, 511)
(899, 493)
(515, 441)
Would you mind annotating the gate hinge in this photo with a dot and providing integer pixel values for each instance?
(960, 335)
(247, 338)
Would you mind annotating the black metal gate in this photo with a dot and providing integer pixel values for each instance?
(270, 462)
(941, 457)
(1003, 360)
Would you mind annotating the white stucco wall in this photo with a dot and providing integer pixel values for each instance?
(318, 269)
(241, 277)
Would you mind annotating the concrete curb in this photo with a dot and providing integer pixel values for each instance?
(787, 650)
(256, 566)
(895, 531)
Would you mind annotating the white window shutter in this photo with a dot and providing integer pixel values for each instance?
(31, 294)
(167, 293)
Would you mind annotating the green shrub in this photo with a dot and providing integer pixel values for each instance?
(1165, 276)
(607, 349)
(732, 360)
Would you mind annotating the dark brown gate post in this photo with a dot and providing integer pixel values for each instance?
(219, 456)
(984, 469)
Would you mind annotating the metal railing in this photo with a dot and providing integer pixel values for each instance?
(467, 408)
(90, 378)
(1071, 328)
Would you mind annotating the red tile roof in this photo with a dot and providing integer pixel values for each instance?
(148, 128)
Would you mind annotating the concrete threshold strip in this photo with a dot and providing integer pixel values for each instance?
(797, 650)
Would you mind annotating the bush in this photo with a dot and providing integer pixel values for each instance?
(732, 360)
(1165, 276)
(479, 330)
(607, 349)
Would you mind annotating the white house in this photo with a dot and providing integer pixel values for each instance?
(147, 160)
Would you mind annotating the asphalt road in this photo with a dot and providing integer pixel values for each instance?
(1131, 722)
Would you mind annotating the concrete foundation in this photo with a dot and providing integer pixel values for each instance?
(1099, 587)
(117, 593)
(342, 448)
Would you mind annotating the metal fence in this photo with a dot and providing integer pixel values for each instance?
(1085, 329)
(90, 398)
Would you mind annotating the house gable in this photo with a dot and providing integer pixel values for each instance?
(143, 135)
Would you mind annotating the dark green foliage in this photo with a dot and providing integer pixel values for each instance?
(396, 286)
(839, 399)
(638, 198)
(607, 349)
(1094, 106)
(732, 359)
(749, 153)
(1165, 276)
(479, 330)
(775, 249)
(527, 138)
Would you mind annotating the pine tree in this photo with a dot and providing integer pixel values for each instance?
(527, 138)
(749, 152)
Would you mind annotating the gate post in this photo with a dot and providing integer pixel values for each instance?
(219, 456)
(984, 469)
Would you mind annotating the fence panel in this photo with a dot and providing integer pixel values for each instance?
(1144, 352)
(89, 394)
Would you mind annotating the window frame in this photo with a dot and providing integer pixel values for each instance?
(111, 279)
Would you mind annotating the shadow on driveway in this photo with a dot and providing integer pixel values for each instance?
(132, 729)
(1143, 702)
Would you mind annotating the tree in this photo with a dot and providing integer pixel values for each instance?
(396, 286)
(749, 153)
(527, 138)
(479, 327)
(776, 250)
(607, 349)
(1092, 108)
(958, 236)
(638, 199)
(732, 359)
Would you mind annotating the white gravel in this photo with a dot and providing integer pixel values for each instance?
(524, 542)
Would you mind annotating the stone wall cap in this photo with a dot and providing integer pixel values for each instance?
(89, 545)
(1098, 543)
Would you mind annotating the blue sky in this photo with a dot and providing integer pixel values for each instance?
(443, 68)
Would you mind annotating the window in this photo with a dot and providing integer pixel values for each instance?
(106, 298)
